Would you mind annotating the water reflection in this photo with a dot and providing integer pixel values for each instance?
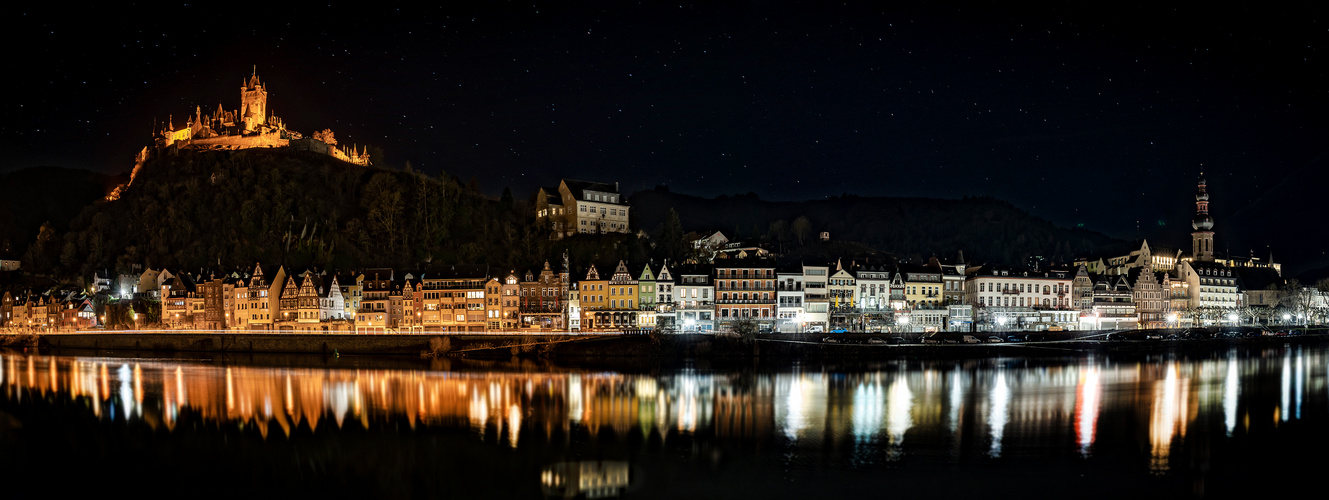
(987, 408)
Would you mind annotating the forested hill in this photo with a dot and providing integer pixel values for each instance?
(987, 230)
(234, 208)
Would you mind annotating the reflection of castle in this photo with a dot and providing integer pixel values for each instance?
(250, 127)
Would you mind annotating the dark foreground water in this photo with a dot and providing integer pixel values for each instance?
(1237, 423)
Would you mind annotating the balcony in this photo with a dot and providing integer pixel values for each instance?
(720, 287)
(549, 308)
(745, 301)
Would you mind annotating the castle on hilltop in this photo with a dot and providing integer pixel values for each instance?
(251, 126)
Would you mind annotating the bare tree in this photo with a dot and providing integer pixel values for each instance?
(801, 228)
(1300, 300)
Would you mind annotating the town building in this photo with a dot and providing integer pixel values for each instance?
(511, 302)
(695, 298)
(1113, 305)
(789, 299)
(646, 298)
(1213, 295)
(665, 300)
(624, 304)
(375, 313)
(816, 298)
(574, 309)
(1016, 299)
(1150, 294)
(745, 290)
(841, 295)
(582, 207)
(542, 299)
(594, 299)
(263, 306)
(456, 298)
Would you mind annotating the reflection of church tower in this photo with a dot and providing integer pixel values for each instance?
(1202, 240)
(253, 104)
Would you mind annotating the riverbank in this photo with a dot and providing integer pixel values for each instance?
(610, 346)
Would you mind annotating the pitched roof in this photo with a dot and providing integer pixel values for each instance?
(579, 188)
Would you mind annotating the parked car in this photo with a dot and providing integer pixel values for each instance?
(839, 330)
(1153, 336)
(875, 340)
(897, 341)
(830, 340)
(1014, 338)
(994, 339)
(970, 339)
(1114, 337)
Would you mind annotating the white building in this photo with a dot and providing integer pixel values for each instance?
(789, 300)
(695, 296)
(666, 317)
(573, 319)
(816, 299)
(1004, 298)
(1211, 289)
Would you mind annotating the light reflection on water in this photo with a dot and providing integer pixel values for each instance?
(990, 408)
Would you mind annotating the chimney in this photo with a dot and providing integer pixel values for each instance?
(615, 186)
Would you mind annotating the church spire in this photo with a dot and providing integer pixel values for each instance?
(1202, 240)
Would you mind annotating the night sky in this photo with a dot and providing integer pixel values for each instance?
(1100, 114)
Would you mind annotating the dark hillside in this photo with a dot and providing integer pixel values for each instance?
(234, 208)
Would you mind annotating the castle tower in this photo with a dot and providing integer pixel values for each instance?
(1202, 240)
(253, 104)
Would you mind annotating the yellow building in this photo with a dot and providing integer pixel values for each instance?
(594, 299)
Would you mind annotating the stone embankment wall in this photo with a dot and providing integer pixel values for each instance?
(413, 345)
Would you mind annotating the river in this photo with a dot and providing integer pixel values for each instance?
(1223, 423)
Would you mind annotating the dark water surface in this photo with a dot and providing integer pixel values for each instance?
(1233, 423)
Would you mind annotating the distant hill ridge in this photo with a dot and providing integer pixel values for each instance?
(985, 229)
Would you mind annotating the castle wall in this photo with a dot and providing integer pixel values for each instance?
(272, 140)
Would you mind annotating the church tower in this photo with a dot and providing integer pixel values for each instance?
(253, 104)
(1202, 240)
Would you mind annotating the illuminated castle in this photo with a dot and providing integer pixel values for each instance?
(252, 126)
